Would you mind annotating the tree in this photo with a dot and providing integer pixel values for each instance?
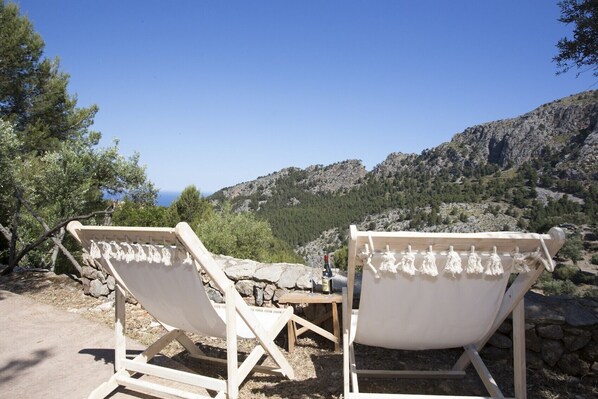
(50, 166)
(191, 207)
(582, 50)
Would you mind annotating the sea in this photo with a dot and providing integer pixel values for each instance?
(165, 198)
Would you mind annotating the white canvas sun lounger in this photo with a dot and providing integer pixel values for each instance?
(440, 291)
(160, 267)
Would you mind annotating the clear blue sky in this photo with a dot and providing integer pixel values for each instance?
(214, 93)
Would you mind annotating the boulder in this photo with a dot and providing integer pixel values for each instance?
(269, 273)
(245, 287)
(552, 351)
(550, 331)
(571, 364)
(499, 340)
(97, 289)
(576, 339)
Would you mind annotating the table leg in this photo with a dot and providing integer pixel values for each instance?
(336, 327)
(291, 328)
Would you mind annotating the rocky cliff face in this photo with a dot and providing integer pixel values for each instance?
(337, 177)
(565, 129)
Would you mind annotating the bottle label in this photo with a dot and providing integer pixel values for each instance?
(326, 285)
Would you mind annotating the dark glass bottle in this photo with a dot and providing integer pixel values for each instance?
(326, 277)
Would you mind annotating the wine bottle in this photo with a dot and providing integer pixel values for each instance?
(326, 277)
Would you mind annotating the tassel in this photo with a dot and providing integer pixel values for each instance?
(388, 263)
(366, 258)
(407, 264)
(140, 256)
(429, 264)
(188, 260)
(166, 256)
(153, 254)
(94, 251)
(494, 266)
(474, 263)
(118, 252)
(107, 250)
(130, 253)
(519, 262)
(453, 262)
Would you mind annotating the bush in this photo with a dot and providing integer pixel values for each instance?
(243, 236)
(564, 272)
(595, 259)
(572, 248)
(558, 287)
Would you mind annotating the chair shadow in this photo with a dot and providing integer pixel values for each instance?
(15, 367)
(327, 383)
(106, 355)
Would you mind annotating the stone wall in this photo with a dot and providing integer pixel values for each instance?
(560, 332)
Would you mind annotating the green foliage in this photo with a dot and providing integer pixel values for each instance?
(582, 50)
(242, 235)
(594, 259)
(129, 213)
(340, 257)
(191, 207)
(572, 249)
(48, 156)
(33, 91)
(558, 287)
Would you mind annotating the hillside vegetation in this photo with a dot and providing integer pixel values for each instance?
(541, 169)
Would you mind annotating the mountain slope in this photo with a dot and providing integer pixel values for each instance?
(499, 165)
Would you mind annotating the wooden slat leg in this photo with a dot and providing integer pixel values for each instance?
(335, 327)
(291, 328)
(120, 349)
(519, 351)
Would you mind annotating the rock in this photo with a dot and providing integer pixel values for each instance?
(506, 327)
(576, 339)
(578, 316)
(571, 364)
(532, 341)
(534, 361)
(551, 331)
(494, 353)
(590, 352)
(552, 351)
(88, 272)
(111, 283)
(245, 287)
(289, 277)
(97, 289)
(269, 292)
(278, 293)
(542, 310)
(106, 306)
(270, 273)
(594, 367)
(86, 285)
(214, 295)
(304, 282)
(243, 270)
(500, 341)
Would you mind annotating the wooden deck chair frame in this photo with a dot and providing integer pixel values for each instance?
(236, 309)
(512, 303)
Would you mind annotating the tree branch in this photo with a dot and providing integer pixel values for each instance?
(49, 232)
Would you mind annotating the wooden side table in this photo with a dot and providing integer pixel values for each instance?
(313, 298)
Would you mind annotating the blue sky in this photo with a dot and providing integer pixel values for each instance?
(214, 93)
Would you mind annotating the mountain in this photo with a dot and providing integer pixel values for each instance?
(524, 172)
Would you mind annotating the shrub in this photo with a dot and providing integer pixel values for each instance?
(595, 259)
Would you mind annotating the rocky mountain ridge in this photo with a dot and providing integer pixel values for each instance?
(564, 131)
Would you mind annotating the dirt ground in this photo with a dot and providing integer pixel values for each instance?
(318, 370)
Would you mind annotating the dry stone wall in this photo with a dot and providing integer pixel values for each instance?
(561, 333)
